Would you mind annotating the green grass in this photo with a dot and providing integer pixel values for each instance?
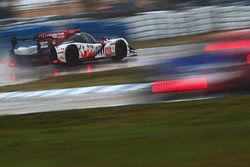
(190, 134)
(120, 76)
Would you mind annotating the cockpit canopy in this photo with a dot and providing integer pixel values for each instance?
(82, 38)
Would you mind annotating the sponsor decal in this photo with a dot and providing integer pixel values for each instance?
(60, 52)
(44, 44)
(53, 35)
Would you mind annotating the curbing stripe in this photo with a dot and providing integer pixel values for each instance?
(76, 91)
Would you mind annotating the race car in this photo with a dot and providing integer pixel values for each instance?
(83, 47)
(36, 50)
(67, 47)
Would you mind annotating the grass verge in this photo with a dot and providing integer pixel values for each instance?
(130, 75)
(190, 134)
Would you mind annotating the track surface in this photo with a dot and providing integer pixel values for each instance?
(17, 75)
(56, 103)
(16, 106)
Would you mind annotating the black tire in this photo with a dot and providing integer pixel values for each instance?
(72, 55)
(120, 50)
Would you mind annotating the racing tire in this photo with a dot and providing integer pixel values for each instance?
(120, 50)
(72, 55)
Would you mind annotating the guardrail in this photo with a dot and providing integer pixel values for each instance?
(165, 24)
(144, 26)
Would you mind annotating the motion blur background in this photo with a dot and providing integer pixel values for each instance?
(135, 20)
(34, 8)
(154, 15)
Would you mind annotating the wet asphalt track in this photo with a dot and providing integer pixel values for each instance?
(16, 106)
(17, 75)
(10, 75)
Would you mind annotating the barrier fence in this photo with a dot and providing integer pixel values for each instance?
(165, 24)
(144, 26)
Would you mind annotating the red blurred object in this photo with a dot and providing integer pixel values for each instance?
(11, 64)
(13, 77)
(8, 63)
(89, 69)
(248, 58)
(219, 46)
(56, 73)
(56, 61)
(179, 85)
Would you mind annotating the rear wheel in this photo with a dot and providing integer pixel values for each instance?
(120, 51)
(72, 55)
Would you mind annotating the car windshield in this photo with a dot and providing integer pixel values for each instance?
(81, 37)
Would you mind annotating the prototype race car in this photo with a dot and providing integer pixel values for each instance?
(67, 47)
(83, 46)
(36, 50)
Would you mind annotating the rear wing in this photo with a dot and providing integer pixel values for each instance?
(14, 41)
(52, 38)
(36, 39)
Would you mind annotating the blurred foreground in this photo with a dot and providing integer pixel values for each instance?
(188, 134)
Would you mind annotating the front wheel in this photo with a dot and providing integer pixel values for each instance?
(120, 50)
(71, 55)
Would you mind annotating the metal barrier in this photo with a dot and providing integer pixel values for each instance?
(165, 24)
(144, 26)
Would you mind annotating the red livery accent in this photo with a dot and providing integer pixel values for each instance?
(57, 37)
(179, 85)
(87, 53)
(56, 61)
(244, 44)
(108, 51)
